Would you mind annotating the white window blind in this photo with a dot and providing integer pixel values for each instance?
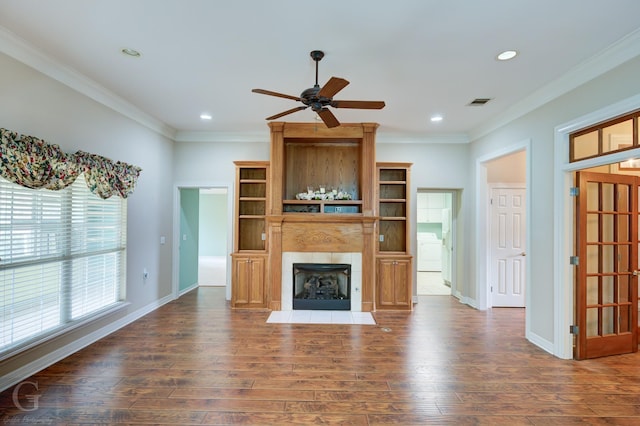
(62, 260)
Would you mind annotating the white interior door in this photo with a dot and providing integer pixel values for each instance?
(508, 233)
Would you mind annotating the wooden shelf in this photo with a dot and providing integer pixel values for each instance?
(251, 205)
(393, 260)
(322, 206)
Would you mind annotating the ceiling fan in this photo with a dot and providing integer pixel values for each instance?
(318, 99)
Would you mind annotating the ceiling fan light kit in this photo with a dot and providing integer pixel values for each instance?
(320, 98)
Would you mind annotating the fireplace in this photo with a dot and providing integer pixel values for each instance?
(322, 286)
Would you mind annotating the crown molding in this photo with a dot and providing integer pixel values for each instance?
(222, 137)
(19, 49)
(381, 137)
(618, 53)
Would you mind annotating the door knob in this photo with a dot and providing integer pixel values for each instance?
(523, 254)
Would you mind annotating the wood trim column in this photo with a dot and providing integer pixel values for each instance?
(277, 167)
(368, 266)
(274, 274)
(368, 165)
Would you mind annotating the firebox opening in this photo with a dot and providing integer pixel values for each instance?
(322, 286)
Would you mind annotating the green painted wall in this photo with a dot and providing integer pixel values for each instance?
(189, 229)
(213, 225)
(433, 228)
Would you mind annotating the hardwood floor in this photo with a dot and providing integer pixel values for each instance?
(195, 361)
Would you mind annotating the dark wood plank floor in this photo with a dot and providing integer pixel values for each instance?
(195, 361)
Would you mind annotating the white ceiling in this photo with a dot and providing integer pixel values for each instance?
(422, 57)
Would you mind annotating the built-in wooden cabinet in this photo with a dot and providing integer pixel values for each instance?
(394, 283)
(321, 193)
(393, 259)
(250, 237)
(248, 278)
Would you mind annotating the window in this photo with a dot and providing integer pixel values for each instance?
(618, 134)
(62, 260)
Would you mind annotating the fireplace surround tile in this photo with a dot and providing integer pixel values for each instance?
(354, 259)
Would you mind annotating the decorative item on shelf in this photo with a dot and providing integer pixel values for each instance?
(322, 194)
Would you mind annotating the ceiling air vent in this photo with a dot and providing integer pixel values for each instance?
(479, 101)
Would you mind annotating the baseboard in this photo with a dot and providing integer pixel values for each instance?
(188, 289)
(468, 301)
(542, 343)
(51, 358)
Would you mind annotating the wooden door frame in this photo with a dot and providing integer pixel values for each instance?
(563, 206)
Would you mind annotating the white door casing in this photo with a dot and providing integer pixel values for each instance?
(507, 247)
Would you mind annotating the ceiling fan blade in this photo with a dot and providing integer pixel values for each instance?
(327, 116)
(280, 95)
(358, 104)
(289, 111)
(333, 86)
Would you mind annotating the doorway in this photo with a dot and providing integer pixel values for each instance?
(506, 177)
(435, 236)
(212, 237)
(564, 279)
(203, 238)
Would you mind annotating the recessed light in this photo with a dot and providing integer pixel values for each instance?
(205, 116)
(131, 52)
(436, 118)
(506, 55)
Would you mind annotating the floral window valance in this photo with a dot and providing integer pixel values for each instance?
(31, 162)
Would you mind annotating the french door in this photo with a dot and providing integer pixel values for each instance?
(607, 265)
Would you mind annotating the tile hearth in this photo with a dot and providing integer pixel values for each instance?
(321, 317)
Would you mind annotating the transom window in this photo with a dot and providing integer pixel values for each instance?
(614, 135)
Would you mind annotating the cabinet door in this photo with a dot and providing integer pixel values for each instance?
(385, 281)
(402, 283)
(248, 282)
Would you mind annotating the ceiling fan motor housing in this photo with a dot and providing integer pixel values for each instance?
(310, 98)
(316, 55)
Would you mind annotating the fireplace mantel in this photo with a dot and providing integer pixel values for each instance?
(310, 154)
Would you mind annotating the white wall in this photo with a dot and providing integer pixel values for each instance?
(435, 166)
(538, 126)
(508, 169)
(34, 104)
(211, 163)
